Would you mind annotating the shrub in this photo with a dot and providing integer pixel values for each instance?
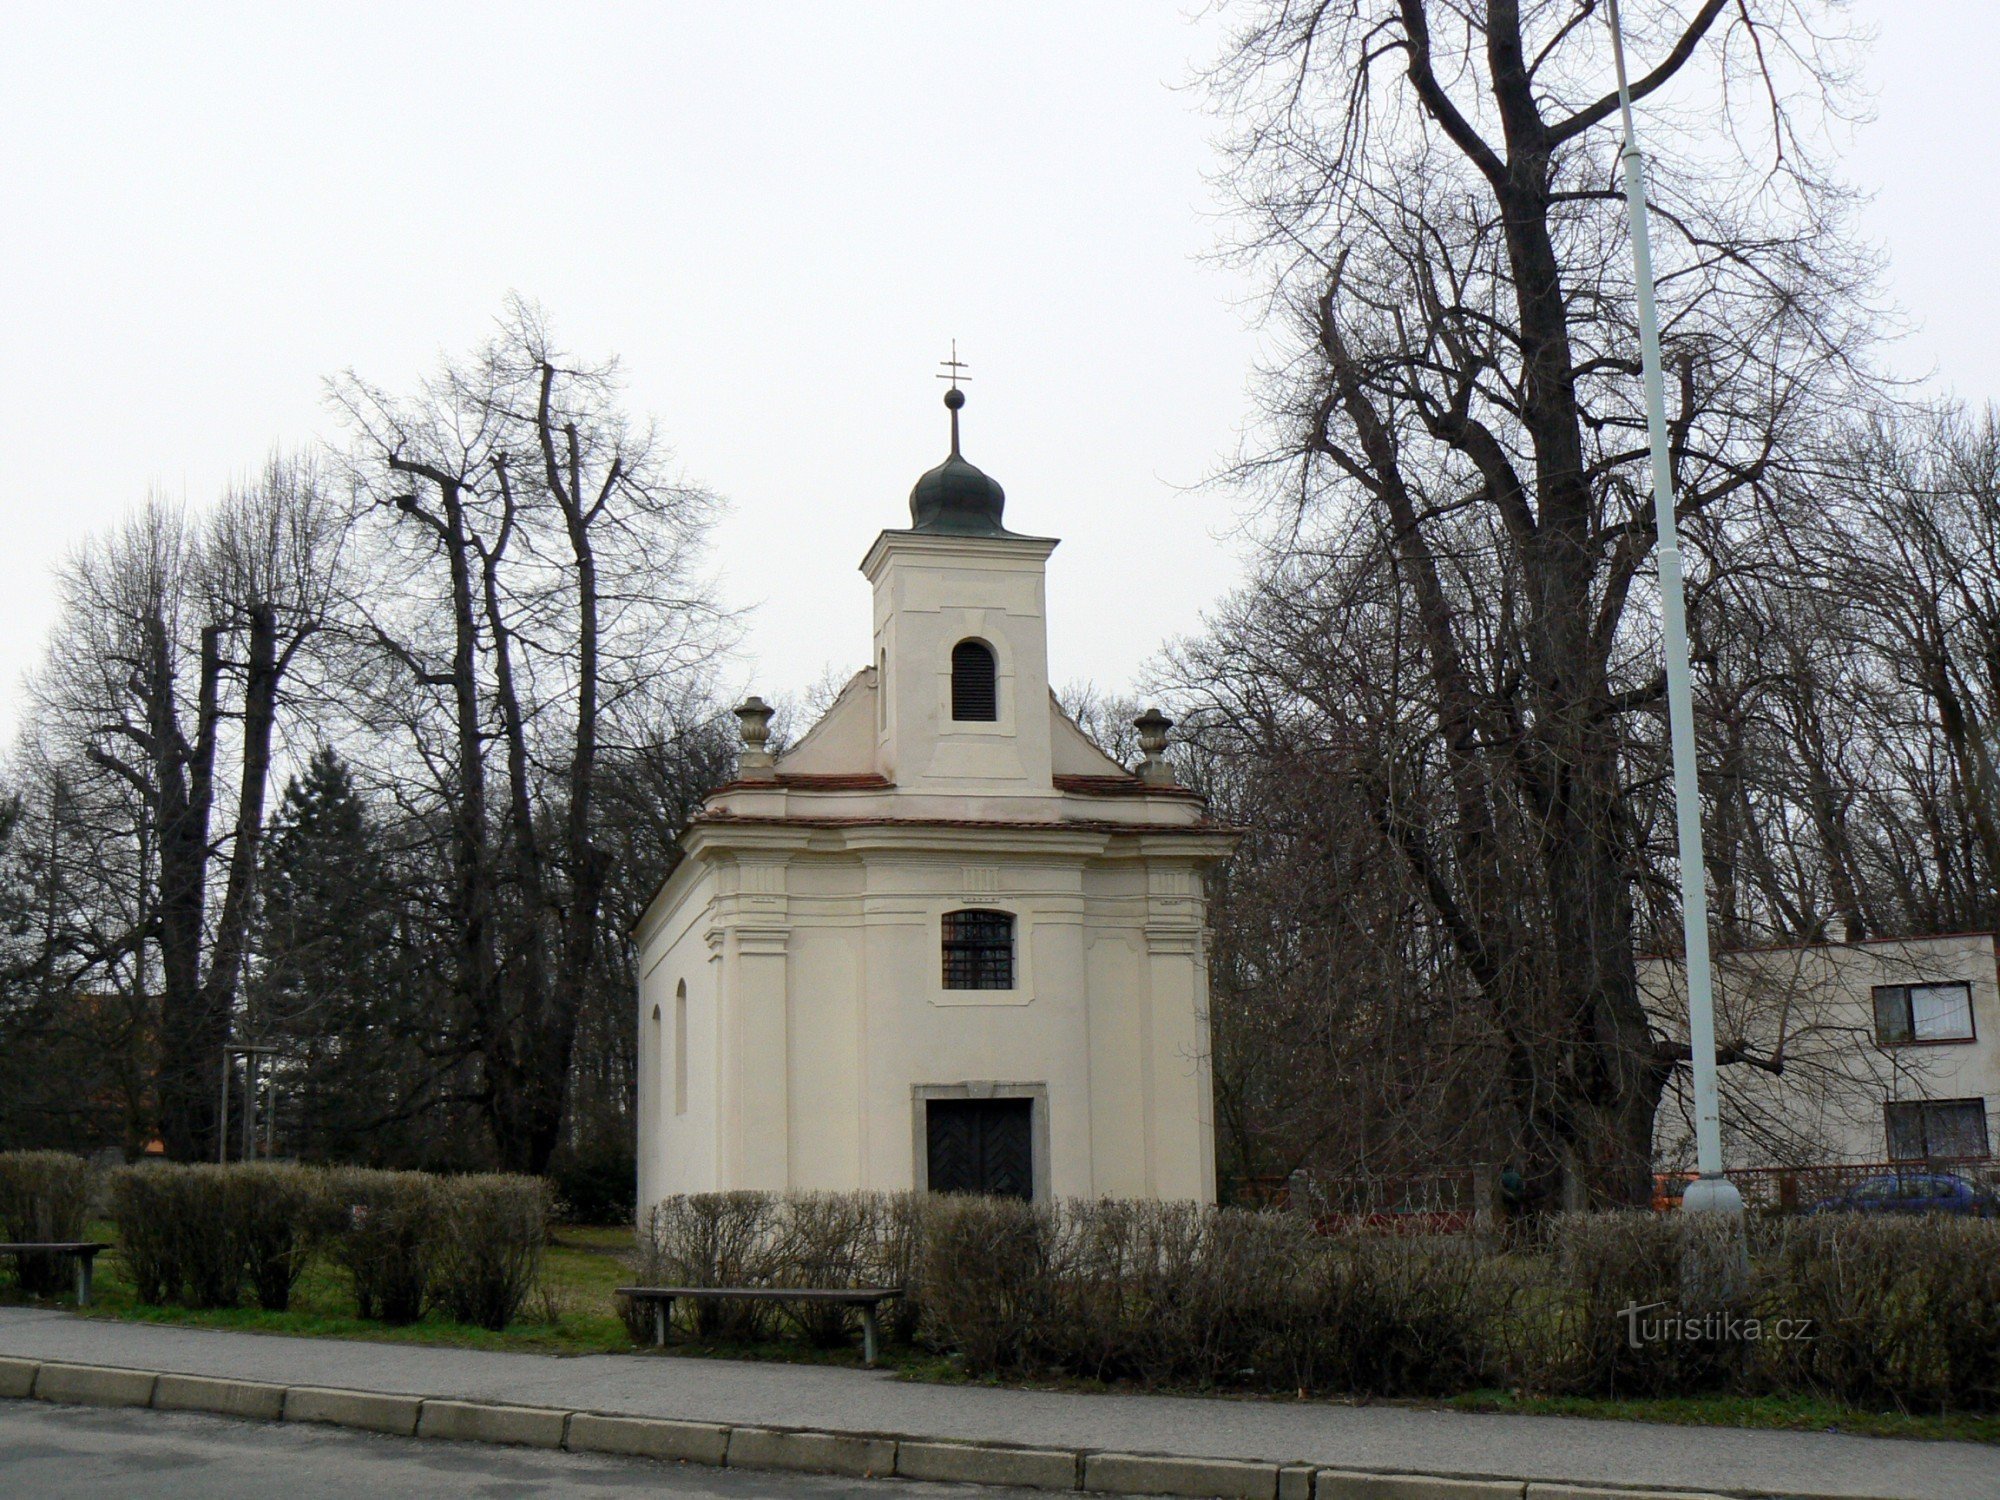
(1397, 1315)
(984, 1265)
(1602, 1271)
(710, 1239)
(823, 1239)
(377, 1228)
(1902, 1312)
(279, 1213)
(891, 1258)
(490, 1231)
(44, 1196)
(1905, 1311)
(180, 1232)
(1176, 1294)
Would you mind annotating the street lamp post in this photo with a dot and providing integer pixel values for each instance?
(1712, 1192)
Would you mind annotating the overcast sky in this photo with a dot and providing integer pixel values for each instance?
(779, 216)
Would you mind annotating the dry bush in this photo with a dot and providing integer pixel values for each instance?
(1574, 1333)
(709, 1239)
(822, 1240)
(378, 1230)
(277, 1212)
(44, 1196)
(892, 1257)
(177, 1233)
(1182, 1295)
(1905, 1311)
(1402, 1315)
(984, 1267)
(489, 1234)
(802, 1240)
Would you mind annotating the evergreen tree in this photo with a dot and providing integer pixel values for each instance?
(340, 981)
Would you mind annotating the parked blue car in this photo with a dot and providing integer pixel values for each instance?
(1913, 1193)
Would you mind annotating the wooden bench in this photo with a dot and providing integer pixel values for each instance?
(82, 1251)
(867, 1298)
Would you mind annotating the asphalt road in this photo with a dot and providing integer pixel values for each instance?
(102, 1453)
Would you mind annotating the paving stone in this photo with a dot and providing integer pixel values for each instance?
(94, 1385)
(370, 1410)
(987, 1463)
(1204, 1478)
(229, 1398)
(814, 1452)
(647, 1437)
(477, 1422)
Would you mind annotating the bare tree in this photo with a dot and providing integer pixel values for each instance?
(1433, 188)
(160, 700)
(546, 562)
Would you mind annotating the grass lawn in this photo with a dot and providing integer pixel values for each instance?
(574, 1313)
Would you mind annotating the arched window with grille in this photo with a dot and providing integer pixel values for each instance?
(975, 688)
(978, 950)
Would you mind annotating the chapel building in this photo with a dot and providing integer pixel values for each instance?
(943, 941)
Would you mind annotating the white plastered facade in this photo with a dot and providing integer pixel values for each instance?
(793, 1018)
(1812, 1009)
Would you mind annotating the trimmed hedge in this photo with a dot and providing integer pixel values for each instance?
(1899, 1312)
(198, 1235)
(379, 1231)
(489, 1232)
(44, 1196)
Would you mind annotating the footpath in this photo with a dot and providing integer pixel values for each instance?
(867, 1423)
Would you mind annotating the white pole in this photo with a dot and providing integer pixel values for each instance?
(1713, 1192)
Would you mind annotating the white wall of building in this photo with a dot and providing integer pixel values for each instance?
(1813, 1009)
(806, 923)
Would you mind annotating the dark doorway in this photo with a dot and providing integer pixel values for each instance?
(981, 1146)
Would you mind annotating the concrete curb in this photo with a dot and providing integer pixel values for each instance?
(478, 1422)
(981, 1463)
(222, 1398)
(371, 1411)
(94, 1385)
(852, 1454)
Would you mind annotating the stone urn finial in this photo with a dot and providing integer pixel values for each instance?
(754, 762)
(1153, 726)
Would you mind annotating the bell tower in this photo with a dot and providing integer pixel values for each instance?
(961, 637)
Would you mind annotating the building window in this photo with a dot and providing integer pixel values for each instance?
(1937, 1130)
(680, 1048)
(975, 690)
(978, 950)
(1922, 1013)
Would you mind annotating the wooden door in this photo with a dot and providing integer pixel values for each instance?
(981, 1146)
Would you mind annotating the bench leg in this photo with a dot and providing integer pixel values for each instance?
(83, 1279)
(662, 1308)
(870, 1335)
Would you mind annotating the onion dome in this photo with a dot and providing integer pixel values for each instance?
(957, 498)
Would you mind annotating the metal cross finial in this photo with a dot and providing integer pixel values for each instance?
(954, 398)
(954, 367)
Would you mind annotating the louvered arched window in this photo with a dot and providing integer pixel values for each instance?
(975, 692)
